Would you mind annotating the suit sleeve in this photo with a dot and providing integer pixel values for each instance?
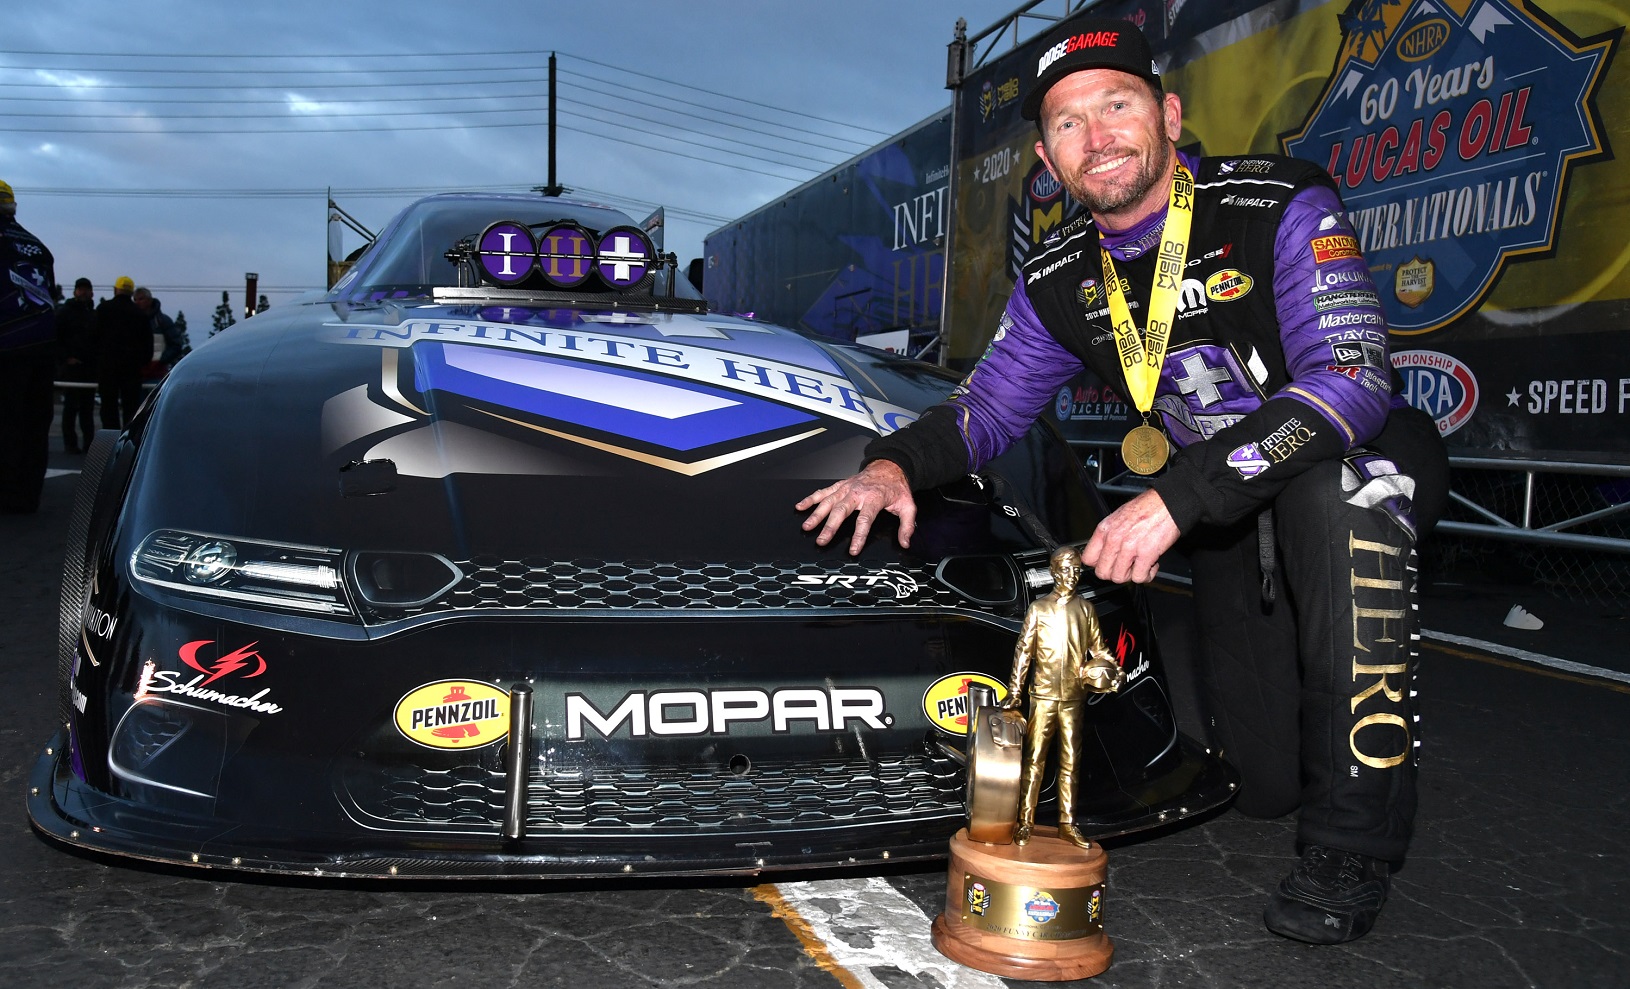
(994, 405)
(1335, 353)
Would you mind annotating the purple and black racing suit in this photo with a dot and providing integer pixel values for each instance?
(1301, 483)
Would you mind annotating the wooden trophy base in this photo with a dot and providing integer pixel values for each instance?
(1036, 893)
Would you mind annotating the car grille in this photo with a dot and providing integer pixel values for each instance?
(663, 799)
(645, 585)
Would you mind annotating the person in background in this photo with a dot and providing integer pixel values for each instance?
(27, 359)
(176, 344)
(77, 347)
(126, 338)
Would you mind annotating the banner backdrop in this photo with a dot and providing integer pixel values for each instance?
(858, 252)
(1473, 143)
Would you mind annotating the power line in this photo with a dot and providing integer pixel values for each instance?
(767, 106)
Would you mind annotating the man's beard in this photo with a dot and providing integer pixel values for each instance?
(1119, 196)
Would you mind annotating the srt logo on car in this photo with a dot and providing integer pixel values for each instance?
(713, 712)
(902, 584)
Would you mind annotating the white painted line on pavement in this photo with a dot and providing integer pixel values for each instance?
(867, 924)
(51, 472)
(1523, 655)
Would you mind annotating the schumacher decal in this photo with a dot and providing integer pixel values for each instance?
(788, 710)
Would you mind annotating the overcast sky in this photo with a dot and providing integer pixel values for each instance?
(117, 117)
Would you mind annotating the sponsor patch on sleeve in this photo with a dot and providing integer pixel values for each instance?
(1247, 460)
(1335, 247)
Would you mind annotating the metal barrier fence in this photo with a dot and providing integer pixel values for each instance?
(1562, 526)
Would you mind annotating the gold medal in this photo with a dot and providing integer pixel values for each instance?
(1144, 449)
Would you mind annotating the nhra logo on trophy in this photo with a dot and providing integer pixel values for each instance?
(1026, 901)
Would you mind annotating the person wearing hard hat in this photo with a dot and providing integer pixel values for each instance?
(27, 359)
(126, 346)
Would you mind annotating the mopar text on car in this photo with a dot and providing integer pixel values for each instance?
(486, 564)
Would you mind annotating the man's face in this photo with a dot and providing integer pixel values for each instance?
(1066, 567)
(1108, 138)
(83, 292)
(143, 302)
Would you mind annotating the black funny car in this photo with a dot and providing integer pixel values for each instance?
(485, 564)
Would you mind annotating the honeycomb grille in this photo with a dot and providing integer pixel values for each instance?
(645, 585)
(665, 799)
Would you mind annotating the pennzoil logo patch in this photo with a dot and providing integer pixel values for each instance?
(1227, 285)
(454, 714)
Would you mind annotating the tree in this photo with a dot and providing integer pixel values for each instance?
(223, 315)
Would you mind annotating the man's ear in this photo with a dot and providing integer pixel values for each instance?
(1041, 152)
(1172, 108)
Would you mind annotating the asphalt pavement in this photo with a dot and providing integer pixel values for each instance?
(1518, 875)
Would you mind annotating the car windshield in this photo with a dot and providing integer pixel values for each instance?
(410, 260)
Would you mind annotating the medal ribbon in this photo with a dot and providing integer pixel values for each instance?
(1142, 354)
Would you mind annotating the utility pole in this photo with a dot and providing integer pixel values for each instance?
(554, 187)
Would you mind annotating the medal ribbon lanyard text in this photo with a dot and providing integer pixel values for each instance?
(1142, 354)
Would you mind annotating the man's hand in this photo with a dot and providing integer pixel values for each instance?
(881, 487)
(1128, 543)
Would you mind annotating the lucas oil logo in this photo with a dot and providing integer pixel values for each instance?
(1451, 130)
(945, 702)
(454, 714)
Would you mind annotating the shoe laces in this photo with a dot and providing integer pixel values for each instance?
(1333, 866)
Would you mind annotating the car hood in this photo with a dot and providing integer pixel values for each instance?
(512, 432)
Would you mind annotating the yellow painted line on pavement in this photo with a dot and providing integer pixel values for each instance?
(814, 947)
(1512, 664)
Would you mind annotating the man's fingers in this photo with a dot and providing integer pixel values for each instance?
(863, 528)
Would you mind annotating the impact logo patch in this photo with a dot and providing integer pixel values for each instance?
(1451, 130)
(945, 702)
(1438, 384)
(454, 714)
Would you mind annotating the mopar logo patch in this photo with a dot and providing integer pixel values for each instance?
(643, 713)
(945, 702)
(454, 714)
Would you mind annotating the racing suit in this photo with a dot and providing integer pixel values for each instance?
(1301, 482)
(27, 360)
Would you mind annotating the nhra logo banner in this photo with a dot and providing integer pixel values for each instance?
(1450, 128)
(1438, 384)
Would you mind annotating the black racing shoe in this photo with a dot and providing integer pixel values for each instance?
(1332, 896)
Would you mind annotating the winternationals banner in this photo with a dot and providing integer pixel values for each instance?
(1473, 144)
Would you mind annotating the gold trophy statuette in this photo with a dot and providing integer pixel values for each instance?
(1033, 909)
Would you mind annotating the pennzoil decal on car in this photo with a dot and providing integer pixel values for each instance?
(1451, 131)
(1227, 285)
(945, 702)
(454, 714)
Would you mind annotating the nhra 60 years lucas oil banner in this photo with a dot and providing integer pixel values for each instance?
(1473, 143)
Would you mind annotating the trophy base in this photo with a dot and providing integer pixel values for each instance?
(1047, 863)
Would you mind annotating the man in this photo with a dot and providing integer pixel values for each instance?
(127, 346)
(1061, 652)
(77, 347)
(176, 345)
(1302, 478)
(27, 359)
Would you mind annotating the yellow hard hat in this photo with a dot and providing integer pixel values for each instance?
(123, 284)
(7, 197)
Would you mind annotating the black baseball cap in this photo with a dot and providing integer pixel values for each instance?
(1089, 43)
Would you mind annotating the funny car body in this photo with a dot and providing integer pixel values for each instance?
(485, 564)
